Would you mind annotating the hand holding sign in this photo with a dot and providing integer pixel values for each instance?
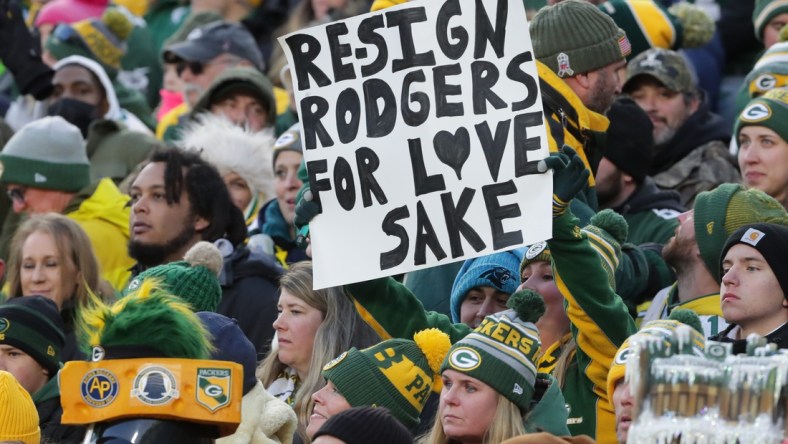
(569, 177)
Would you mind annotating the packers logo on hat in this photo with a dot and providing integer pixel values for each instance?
(213, 388)
(333, 363)
(622, 355)
(99, 388)
(765, 82)
(756, 112)
(465, 359)
(535, 249)
(5, 324)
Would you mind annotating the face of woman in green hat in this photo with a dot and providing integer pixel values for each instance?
(763, 161)
(467, 407)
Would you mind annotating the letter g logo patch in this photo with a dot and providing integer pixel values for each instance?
(464, 359)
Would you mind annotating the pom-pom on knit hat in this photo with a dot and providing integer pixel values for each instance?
(47, 153)
(497, 270)
(18, 414)
(510, 333)
(723, 210)
(33, 324)
(397, 374)
(606, 232)
(365, 425)
(764, 12)
(194, 279)
(771, 241)
(149, 322)
(664, 331)
(649, 25)
(102, 40)
(769, 110)
(574, 37)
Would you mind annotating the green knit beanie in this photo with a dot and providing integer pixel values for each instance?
(397, 374)
(194, 279)
(723, 210)
(502, 351)
(33, 324)
(574, 37)
(538, 252)
(769, 110)
(48, 153)
(764, 12)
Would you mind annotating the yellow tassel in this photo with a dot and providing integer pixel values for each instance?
(435, 344)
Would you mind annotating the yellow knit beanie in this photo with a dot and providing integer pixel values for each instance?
(18, 415)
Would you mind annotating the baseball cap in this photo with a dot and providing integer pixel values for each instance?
(208, 41)
(667, 66)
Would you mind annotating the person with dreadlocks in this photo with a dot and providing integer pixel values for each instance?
(150, 379)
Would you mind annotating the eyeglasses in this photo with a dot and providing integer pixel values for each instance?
(197, 67)
(17, 194)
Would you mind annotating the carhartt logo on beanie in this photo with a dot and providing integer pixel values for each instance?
(498, 270)
(723, 210)
(771, 241)
(397, 374)
(194, 279)
(574, 37)
(48, 153)
(18, 415)
(502, 350)
(33, 324)
(764, 12)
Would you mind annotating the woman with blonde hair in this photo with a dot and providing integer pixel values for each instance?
(51, 255)
(313, 327)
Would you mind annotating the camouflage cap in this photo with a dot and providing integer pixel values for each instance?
(667, 66)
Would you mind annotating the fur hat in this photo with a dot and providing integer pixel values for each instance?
(497, 270)
(723, 210)
(573, 37)
(47, 153)
(194, 279)
(18, 414)
(231, 148)
(502, 351)
(147, 322)
(397, 374)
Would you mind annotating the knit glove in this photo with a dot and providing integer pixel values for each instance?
(569, 177)
(306, 207)
(20, 52)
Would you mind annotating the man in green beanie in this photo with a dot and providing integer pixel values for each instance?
(694, 252)
(768, 18)
(762, 133)
(44, 168)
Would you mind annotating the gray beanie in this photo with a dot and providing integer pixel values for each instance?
(574, 37)
(48, 153)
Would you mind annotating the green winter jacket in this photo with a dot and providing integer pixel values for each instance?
(115, 151)
(164, 17)
(599, 323)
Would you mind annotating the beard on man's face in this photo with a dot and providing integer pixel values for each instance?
(151, 255)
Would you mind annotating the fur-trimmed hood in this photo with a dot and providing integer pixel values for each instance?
(264, 420)
(231, 148)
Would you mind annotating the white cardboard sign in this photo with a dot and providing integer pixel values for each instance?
(421, 126)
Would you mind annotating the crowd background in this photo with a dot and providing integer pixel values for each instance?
(155, 190)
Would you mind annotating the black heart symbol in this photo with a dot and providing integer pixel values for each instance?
(453, 149)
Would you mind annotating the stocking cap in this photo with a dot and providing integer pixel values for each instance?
(769, 110)
(397, 374)
(668, 67)
(538, 252)
(102, 40)
(771, 241)
(194, 279)
(723, 210)
(649, 25)
(18, 414)
(502, 351)
(573, 37)
(497, 270)
(630, 138)
(148, 322)
(365, 425)
(764, 12)
(663, 330)
(33, 324)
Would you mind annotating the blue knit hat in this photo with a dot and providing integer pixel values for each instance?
(498, 270)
